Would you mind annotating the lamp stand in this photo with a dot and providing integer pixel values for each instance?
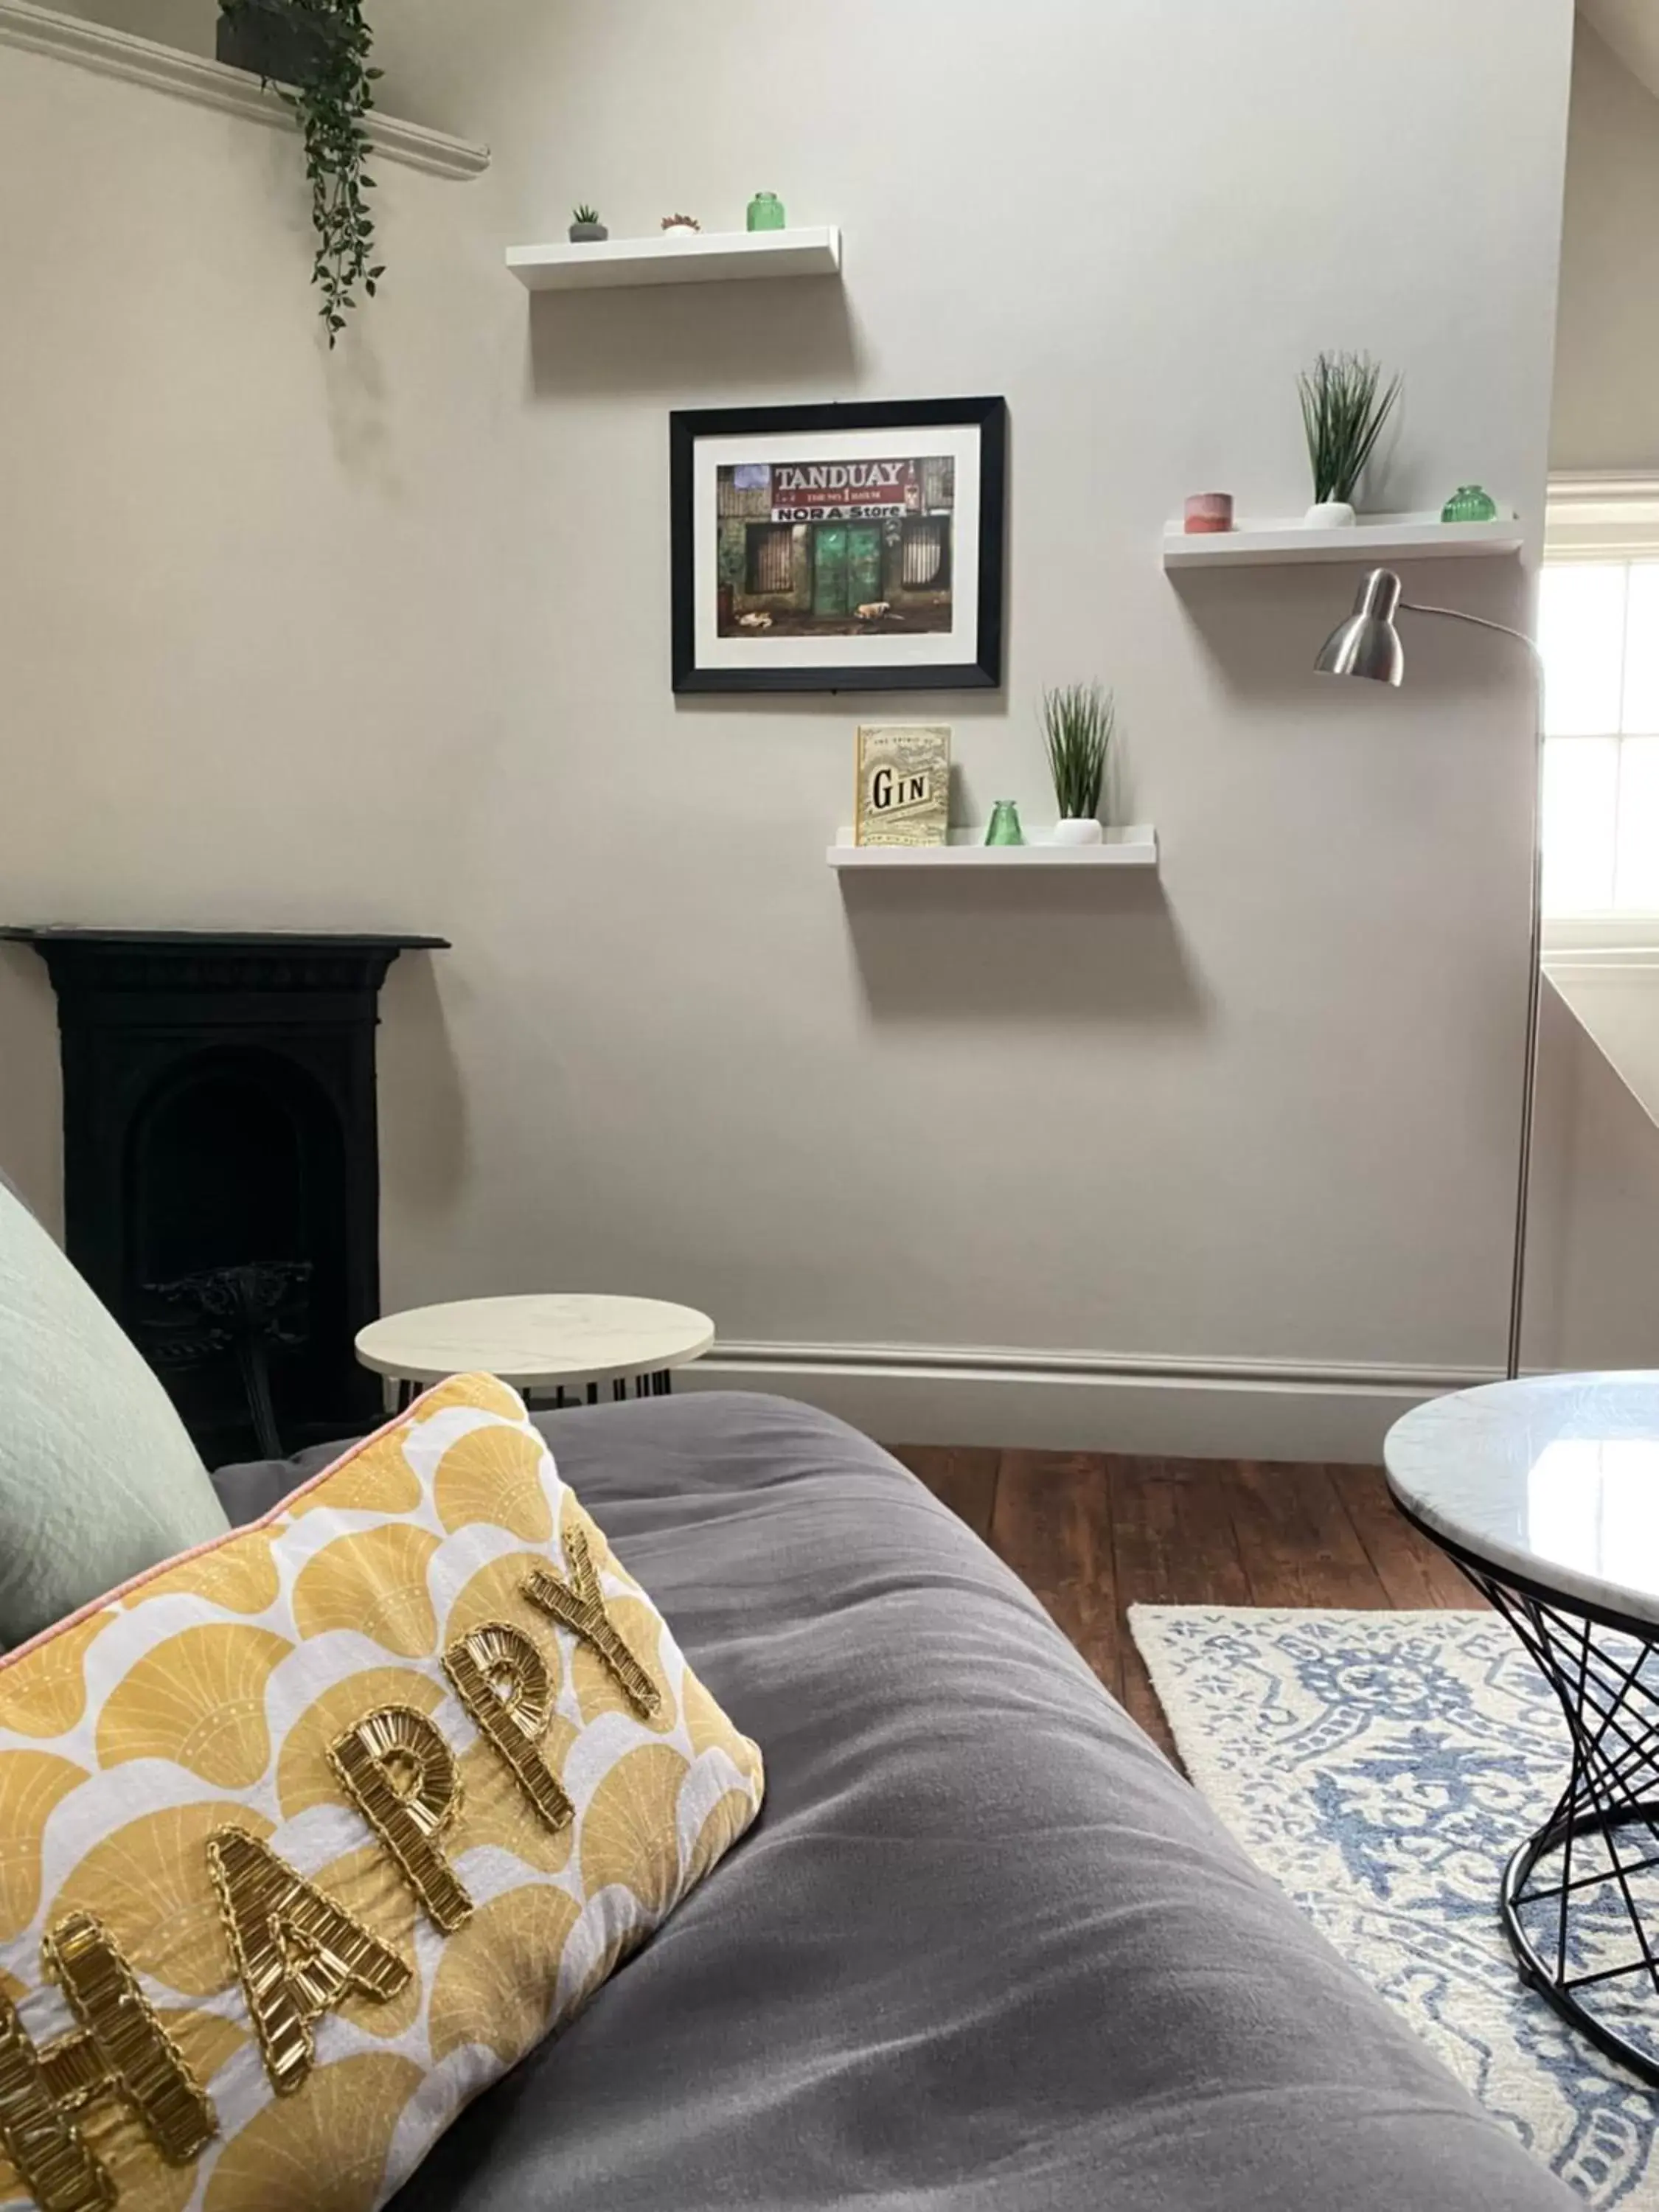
(1534, 974)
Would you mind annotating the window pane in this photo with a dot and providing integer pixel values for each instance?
(1581, 793)
(1637, 883)
(1581, 628)
(1642, 652)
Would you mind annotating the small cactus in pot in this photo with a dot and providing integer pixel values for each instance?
(585, 228)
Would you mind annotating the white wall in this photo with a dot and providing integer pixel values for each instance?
(384, 639)
(1606, 390)
(1593, 1296)
(188, 25)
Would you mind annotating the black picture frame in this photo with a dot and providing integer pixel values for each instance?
(687, 426)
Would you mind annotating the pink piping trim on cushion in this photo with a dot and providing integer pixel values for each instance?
(201, 1551)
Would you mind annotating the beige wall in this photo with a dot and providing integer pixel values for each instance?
(189, 25)
(384, 639)
(1606, 372)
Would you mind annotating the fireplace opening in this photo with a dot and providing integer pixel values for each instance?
(237, 1270)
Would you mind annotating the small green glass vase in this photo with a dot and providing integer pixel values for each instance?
(1468, 503)
(1004, 826)
(766, 212)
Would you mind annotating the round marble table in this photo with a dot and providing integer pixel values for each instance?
(565, 1344)
(1547, 1494)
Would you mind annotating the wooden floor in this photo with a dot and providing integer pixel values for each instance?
(1091, 1534)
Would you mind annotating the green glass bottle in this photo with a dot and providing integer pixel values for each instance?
(1004, 826)
(766, 212)
(1468, 503)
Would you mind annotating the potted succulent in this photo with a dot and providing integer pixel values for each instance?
(680, 226)
(1079, 721)
(585, 228)
(1343, 410)
(315, 54)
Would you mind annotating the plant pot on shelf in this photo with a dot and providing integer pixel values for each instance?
(1077, 829)
(1329, 515)
(274, 40)
(588, 234)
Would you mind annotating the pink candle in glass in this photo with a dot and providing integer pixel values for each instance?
(1208, 512)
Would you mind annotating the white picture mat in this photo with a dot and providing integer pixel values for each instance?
(959, 645)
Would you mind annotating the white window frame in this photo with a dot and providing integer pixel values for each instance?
(1596, 514)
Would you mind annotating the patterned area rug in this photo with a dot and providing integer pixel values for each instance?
(1381, 1767)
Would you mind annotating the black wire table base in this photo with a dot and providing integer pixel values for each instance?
(1579, 1899)
(658, 1383)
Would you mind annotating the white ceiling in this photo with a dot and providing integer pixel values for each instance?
(1631, 28)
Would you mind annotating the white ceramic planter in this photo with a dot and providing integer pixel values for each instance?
(1077, 829)
(1329, 515)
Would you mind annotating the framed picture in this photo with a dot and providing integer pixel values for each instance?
(854, 548)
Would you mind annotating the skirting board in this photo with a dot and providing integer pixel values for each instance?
(1221, 1409)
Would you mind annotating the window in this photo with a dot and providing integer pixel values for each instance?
(1599, 632)
(927, 552)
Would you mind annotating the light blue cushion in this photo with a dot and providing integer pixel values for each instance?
(98, 1478)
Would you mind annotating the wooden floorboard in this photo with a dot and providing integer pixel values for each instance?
(964, 1476)
(1413, 1571)
(1173, 1543)
(1091, 1534)
(1297, 1542)
(1052, 1523)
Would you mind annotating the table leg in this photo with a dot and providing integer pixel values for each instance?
(1579, 1899)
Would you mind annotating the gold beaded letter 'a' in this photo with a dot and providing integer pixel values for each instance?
(298, 1951)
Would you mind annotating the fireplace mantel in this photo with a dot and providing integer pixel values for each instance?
(146, 962)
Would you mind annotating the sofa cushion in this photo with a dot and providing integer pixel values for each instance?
(312, 1833)
(98, 1478)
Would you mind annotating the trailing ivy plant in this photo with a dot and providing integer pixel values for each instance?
(332, 104)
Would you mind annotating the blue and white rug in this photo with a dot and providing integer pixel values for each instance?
(1381, 1767)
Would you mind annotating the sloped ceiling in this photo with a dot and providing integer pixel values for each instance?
(1631, 28)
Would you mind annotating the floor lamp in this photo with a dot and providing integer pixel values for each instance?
(1368, 644)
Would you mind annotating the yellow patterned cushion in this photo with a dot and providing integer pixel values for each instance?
(308, 1836)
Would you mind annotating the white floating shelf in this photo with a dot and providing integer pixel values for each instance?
(1135, 847)
(704, 257)
(1374, 538)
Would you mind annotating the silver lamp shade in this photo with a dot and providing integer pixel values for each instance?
(1368, 644)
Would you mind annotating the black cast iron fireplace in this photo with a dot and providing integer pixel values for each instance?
(221, 1165)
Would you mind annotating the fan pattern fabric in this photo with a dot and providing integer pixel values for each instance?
(306, 1837)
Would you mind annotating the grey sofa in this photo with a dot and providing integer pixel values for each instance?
(984, 1949)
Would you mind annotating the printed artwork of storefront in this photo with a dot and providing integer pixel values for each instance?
(835, 547)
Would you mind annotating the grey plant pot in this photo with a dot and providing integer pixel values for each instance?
(587, 233)
(274, 41)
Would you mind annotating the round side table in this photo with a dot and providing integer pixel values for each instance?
(1546, 1493)
(564, 1345)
